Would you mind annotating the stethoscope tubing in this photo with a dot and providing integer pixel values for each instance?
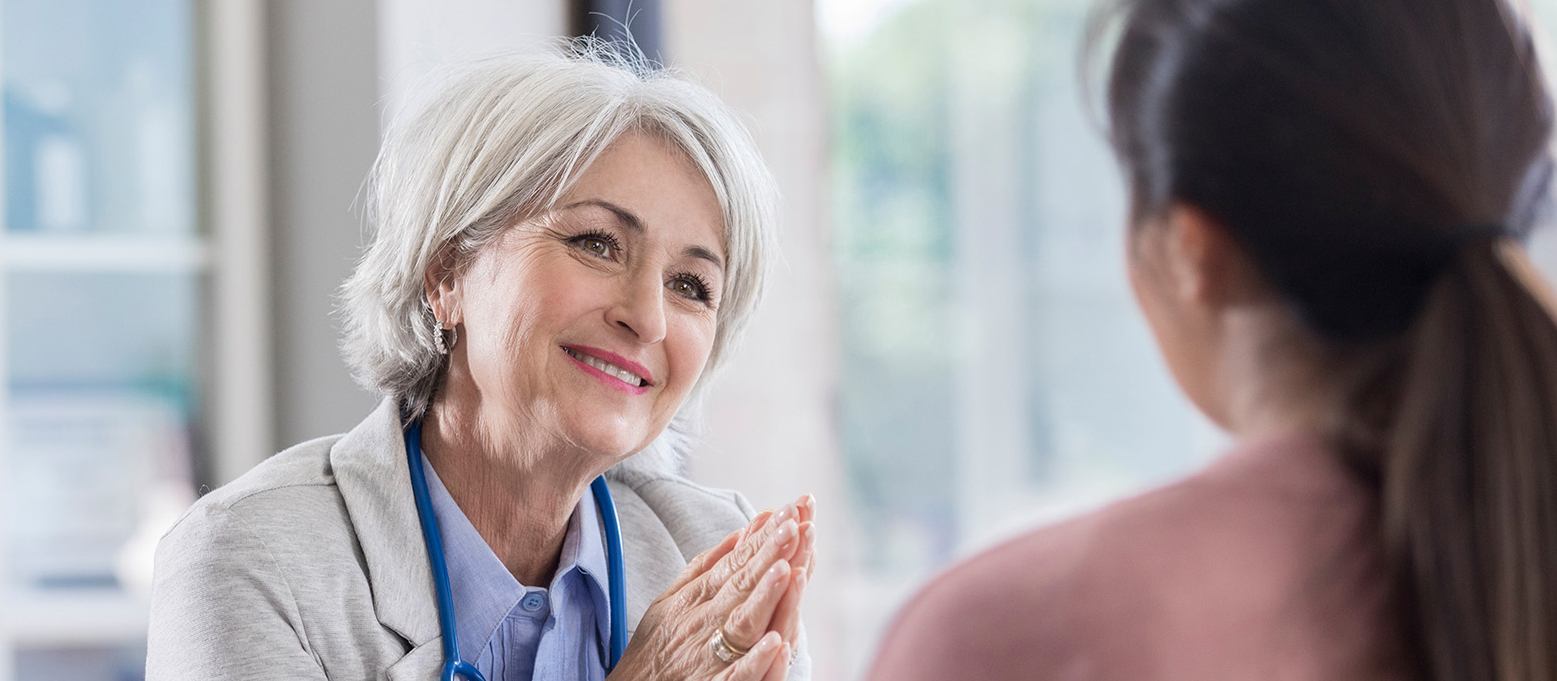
(616, 581)
(455, 666)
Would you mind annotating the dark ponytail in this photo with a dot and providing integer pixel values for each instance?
(1470, 473)
(1380, 159)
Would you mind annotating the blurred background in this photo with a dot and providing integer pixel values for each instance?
(949, 353)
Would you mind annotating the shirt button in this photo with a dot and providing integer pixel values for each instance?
(533, 602)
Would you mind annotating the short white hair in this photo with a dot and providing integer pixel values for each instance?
(501, 141)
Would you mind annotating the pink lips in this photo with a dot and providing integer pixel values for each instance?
(618, 360)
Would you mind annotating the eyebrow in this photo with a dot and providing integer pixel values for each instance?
(633, 224)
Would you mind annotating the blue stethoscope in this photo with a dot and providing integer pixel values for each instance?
(453, 666)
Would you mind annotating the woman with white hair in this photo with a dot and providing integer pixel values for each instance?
(566, 247)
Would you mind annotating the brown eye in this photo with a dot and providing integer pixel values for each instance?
(691, 287)
(603, 246)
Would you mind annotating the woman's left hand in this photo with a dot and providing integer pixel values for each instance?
(747, 587)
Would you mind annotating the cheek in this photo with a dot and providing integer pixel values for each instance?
(688, 347)
(520, 312)
(555, 300)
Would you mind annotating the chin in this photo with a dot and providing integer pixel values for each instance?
(609, 431)
(615, 443)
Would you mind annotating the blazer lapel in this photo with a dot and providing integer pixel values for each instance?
(648, 551)
(375, 482)
(423, 662)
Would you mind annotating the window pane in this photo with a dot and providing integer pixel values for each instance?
(98, 132)
(100, 410)
(74, 664)
(113, 330)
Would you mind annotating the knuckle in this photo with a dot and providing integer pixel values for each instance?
(745, 552)
(709, 590)
(742, 623)
(691, 596)
(746, 580)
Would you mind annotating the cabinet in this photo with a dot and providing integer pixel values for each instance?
(131, 303)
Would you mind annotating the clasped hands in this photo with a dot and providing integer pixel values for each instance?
(748, 588)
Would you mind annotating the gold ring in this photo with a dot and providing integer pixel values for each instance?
(722, 649)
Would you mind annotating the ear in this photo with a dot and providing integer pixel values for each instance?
(441, 283)
(1207, 265)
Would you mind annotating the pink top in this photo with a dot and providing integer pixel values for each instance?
(1264, 566)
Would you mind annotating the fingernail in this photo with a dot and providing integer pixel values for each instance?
(785, 513)
(800, 582)
(756, 522)
(809, 532)
(776, 572)
(769, 641)
(785, 533)
(810, 502)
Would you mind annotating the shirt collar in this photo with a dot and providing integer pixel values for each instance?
(584, 549)
(483, 589)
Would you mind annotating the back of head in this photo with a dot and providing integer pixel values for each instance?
(1377, 159)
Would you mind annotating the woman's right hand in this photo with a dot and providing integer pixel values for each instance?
(750, 585)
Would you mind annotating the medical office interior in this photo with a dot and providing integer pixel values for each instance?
(948, 353)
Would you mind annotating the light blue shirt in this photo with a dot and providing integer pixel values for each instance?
(513, 632)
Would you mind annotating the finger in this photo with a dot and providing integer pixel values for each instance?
(778, 669)
(807, 506)
(756, 523)
(701, 563)
(755, 665)
(751, 618)
(786, 615)
(749, 546)
(780, 546)
(802, 555)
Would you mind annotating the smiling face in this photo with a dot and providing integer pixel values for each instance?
(589, 325)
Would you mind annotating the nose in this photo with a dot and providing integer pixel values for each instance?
(640, 308)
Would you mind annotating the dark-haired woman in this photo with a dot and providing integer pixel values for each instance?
(1328, 198)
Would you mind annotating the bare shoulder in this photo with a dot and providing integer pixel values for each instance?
(1005, 613)
(1107, 595)
(1053, 602)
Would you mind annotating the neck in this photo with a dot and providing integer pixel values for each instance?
(518, 494)
(1276, 377)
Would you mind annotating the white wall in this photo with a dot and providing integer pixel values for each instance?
(324, 134)
(416, 35)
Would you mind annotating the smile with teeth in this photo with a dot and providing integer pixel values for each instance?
(627, 377)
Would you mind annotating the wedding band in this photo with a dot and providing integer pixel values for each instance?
(722, 648)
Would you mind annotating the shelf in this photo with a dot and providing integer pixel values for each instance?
(103, 253)
(66, 618)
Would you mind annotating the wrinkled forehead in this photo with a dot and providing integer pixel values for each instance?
(686, 153)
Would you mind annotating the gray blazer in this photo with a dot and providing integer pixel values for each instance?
(312, 565)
